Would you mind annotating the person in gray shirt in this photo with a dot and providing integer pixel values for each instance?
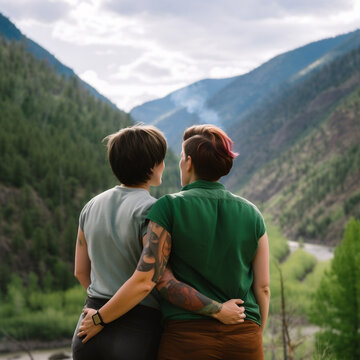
(109, 245)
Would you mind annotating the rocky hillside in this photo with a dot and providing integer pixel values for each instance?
(300, 153)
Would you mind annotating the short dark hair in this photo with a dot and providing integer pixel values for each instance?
(134, 151)
(210, 150)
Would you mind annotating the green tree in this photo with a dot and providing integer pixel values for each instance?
(336, 307)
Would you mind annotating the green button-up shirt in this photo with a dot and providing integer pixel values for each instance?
(214, 240)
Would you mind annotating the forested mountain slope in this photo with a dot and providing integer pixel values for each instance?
(300, 153)
(52, 161)
(247, 92)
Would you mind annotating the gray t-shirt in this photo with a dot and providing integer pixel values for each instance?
(114, 223)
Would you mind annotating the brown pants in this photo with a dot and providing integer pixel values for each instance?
(209, 339)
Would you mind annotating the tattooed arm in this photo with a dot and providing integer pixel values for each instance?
(186, 297)
(82, 261)
(150, 268)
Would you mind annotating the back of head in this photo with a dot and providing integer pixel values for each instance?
(134, 151)
(210, 150)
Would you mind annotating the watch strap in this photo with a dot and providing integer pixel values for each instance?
(97, 319)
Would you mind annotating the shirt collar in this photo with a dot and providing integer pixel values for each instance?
(203, 184)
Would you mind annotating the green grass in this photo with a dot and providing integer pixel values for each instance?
(39, 315)
(50, 324)
(279, 247)
(298, 265)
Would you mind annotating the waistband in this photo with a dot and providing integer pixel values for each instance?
(139, 311)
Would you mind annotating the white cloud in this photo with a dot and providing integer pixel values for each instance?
(44, 11)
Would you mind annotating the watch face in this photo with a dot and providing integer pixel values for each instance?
(96, 319)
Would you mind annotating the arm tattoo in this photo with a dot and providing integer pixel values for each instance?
(188, 298)
(81, 243)
(156, 251)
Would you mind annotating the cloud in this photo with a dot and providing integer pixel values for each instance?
(128, 93)
(45, 11)
(244, 10)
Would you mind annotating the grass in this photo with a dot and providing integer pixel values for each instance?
(279, 247)
(39, 315)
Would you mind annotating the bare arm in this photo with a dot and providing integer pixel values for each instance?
(150, 268)
(82, 261)
(186, 297)
(261, 285)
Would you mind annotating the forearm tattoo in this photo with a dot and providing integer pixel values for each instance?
(156, 252)
(188, 298)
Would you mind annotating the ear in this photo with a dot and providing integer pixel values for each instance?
(189, 163)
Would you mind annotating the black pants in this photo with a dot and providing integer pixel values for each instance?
(134, 336)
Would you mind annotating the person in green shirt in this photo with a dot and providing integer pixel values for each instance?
(212, 240)
(219, 246)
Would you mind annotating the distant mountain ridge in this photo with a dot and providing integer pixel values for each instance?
(236, 97)
(12, 33)
(180, 109)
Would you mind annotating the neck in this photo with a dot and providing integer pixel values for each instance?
(145, 186)
(193, 178)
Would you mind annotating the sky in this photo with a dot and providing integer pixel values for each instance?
(133, 51)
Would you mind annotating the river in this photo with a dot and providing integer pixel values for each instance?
(321, 252)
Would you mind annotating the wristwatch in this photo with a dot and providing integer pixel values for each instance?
(97, 319)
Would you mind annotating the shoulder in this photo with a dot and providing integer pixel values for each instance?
(170, 199)
(165, 204)
(143, 201)
(92, 205)
(96, 199)
(246, 204)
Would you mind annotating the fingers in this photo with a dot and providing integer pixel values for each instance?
(239, 301)
(240, 316)
(85, 339)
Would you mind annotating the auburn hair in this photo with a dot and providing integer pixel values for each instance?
(210, 149)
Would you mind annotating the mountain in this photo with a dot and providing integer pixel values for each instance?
(182, 108)
(52, 161)
(228, 101)
(12, 33)
(300, 154)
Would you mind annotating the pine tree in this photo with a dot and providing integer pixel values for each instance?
(336, 306)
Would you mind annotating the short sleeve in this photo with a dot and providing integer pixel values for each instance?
(161, 213)
(82, 217)
(84, 214)
(260, 225)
